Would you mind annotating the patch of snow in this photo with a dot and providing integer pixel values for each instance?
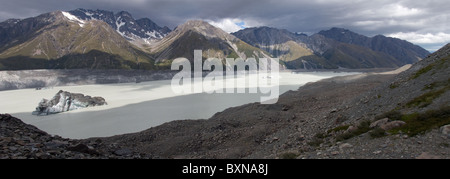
(88, 14)
(119, 24)
(73, 18)
(153, 34)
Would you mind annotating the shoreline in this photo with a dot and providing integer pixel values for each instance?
(48, 78)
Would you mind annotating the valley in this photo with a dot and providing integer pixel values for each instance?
(342, 94)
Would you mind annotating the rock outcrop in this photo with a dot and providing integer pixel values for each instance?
(23, 141)
(65, 101)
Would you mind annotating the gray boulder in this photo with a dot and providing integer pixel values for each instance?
(379, 123)
(392, 125)
(446, 130)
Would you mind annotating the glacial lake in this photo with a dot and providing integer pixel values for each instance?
(133, 107)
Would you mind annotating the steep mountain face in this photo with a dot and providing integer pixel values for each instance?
(316, 51)
(404, 51)
(353, 56)
(199, 35)
(265, 35)
(140, 32)
(278, 42)
(284, 45)
(15, 31)
(61, 40)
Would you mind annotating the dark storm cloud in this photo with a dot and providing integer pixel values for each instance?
(419, 21)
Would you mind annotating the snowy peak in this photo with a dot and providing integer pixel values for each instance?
(63, 40)
(146, 23)
(142, 30)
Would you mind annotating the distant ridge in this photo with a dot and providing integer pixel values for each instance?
(334, 48)
(400, 49)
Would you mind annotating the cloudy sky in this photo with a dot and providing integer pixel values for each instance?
(423, 22)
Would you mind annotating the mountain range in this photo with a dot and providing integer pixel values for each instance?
(197, 34)
(60, 40)
(99, 39)
(139, 31)
(333, 48)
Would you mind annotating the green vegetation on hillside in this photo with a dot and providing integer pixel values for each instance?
(392, 115)
(436, 89)
(418, 123)
(362, 128)
(339, 128)
(427, 98)
(249, 50)
(439, 64)
(423, 71)
(295, 51)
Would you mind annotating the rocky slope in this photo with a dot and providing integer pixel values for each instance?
(426, 84)
(404, 117)
(22, 141)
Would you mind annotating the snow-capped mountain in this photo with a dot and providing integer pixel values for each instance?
(62, 40)
(140, 31)
(102, 39)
